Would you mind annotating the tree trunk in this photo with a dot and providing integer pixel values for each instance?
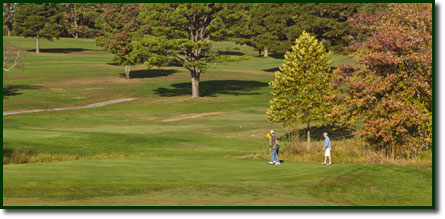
(9, 33)
(259, 52)
(37, 44)
(308, 135)
(392, 151)
(127, 72)
(75, 23)
(196, 73)
(76, 34)
(294, 137)
(266, 52)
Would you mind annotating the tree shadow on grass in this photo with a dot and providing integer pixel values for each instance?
(150, 73)
(272, 69)
(277, 55)
(231, 53)
(13, 90)
(212, 88)
(334, 133)
(61, 50)
(278, 68)
(173, 63)
(112, 63)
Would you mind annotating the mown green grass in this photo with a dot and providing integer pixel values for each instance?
(377, 183)
(165, 148)
(215, 181)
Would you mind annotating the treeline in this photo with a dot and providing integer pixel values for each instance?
(266, 27)
(77, 20)
(181, 34)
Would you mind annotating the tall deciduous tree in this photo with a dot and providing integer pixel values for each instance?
(120, 26)
(80, 18)
(38, 20)
(300, 85)
(8, 16)
(181, 33)
(390, 88)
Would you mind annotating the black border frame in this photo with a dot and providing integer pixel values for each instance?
(434, 163)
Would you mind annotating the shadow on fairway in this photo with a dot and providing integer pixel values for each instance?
(172, 63)
(231, 53)
(13, 90)
(277, 55)
(150, 73)
(212, 88)
(277, 69)
(272, 69)
(61, 50)
(334, 133)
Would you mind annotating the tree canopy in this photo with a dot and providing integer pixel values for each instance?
(120, 28)
(301, 83)
(390, 88)
(39, 20)
(80, 19)
(181, 33)
(267, 27)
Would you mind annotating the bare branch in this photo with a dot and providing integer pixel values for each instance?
(12, 66)
(9, 61)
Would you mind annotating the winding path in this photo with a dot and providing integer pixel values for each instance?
(69, 107)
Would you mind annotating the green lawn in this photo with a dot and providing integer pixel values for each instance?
(165, 148)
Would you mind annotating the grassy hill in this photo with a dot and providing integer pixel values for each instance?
(165, 148)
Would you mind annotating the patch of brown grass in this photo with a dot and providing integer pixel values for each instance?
(343, 151)
(22, 157)
(190, 116)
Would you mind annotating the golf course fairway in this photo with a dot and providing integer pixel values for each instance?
(165, 148)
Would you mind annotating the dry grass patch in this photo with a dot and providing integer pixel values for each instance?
(191, 116)
(22, 157)
(90, 83)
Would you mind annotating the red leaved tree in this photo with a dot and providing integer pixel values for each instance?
(120, 28)
(390, 87)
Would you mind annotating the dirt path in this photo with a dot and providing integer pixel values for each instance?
(69, 107)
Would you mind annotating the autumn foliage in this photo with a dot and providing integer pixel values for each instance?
(390, 87)
(120, 25)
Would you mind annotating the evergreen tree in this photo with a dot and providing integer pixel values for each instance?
(181, 33)
(329, 23)
(300, 85)
(40, 20)
(267, 27)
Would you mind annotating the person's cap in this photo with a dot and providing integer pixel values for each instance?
(271, 131)
(325, 133)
